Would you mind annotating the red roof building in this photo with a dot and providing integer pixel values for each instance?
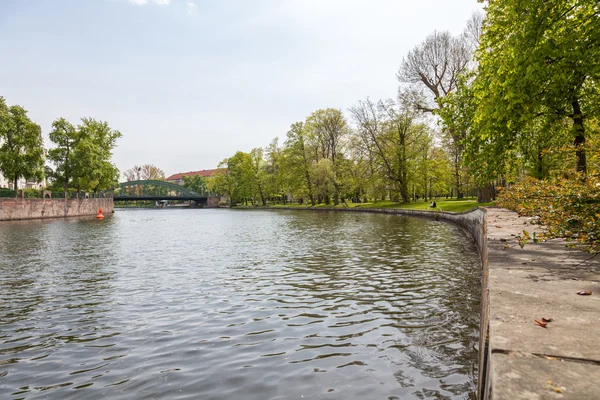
(178, 178)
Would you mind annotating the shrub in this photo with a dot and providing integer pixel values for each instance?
(32, 193)
(569, 208)
(7, 193)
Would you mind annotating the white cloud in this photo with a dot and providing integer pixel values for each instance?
(144, 2)
(191, 7)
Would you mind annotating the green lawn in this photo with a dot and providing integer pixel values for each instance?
(452, 205)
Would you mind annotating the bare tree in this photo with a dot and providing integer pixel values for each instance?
(430, 71)
(473, 29)
(436, 65)
(144, 172)
(152, 172)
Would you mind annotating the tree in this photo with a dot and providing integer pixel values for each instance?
(239, 178)
(259, 173)
(66, 138)
(329, 128)
(21, 145)
(273, 171)
(388, 131)
(436, 65)
(196, 183)
(296, 159)
(144, 172)
(82, 156)
(224, 183)
(538, 67)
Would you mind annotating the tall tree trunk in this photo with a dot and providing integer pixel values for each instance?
(262, 195)
(579, 140)
(311, 196)
(15, 182)
(484, 193)
(457, 177)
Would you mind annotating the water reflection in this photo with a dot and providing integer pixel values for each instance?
(237, 304)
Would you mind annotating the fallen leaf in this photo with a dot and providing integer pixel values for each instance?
(547, 320)
(540, 323)
(585, 293)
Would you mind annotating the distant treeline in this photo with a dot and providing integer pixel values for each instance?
(515, 95)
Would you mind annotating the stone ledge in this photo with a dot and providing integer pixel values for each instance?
(540, 281)
(523, 376)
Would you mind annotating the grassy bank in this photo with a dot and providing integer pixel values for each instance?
(451, 205)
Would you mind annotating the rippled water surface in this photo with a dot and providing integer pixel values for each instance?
(225, 304)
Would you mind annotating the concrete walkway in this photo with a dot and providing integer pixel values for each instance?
(561, 361)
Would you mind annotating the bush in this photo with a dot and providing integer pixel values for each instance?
(32, 193)
(569, 208)
(7, 193)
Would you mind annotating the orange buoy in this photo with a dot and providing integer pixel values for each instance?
(100, 216)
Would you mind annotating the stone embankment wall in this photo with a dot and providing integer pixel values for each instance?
(13, 209)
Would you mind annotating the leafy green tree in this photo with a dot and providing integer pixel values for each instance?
(65, 137)
(388, 131)
(274, 176)
(259, 173)
(21, 145)
(82, 156)
(196, 183)
(538, 67)
(329, 129)
(297, 160)
(224, 182)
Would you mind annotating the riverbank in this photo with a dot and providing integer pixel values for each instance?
(521, 359)
(15, 209)
(444, 205)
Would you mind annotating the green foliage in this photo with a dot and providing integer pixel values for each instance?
(196, 183)
(7, 192)
(32, 193)
(538, 79)
(82, 156)
(21, 145)
(568, 208)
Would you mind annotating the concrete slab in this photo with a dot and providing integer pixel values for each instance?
(534, 378)
(540, 281)
(518, 297)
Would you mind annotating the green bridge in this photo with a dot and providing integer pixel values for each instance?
(157, 190)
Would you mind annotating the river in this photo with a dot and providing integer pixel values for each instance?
(233, 304)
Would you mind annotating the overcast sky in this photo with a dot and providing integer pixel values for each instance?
(190, 82)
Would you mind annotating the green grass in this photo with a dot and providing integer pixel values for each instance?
(451, 205)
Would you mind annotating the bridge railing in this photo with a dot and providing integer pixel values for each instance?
(154, 188)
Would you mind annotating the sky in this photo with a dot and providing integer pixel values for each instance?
(190, 82)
